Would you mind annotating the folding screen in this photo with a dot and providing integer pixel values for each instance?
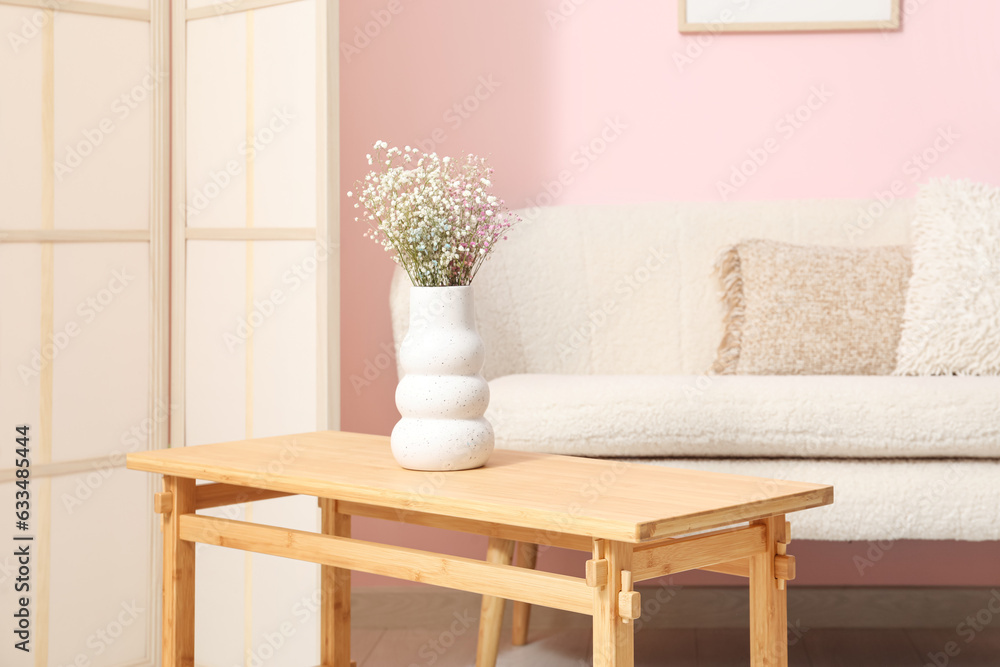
(251, 268)
(167, 277)
(84, 317)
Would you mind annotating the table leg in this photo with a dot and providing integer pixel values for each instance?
(491, 618)
(613, 636)
(335, 592)
(178, 575)
(768, 602)
(527, 556)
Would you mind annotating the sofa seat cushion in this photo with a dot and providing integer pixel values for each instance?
(890, 499)
(812, 416)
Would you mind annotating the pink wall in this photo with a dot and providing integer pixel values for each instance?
(530, 83)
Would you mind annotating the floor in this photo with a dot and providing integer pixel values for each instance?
(706, 626)
(717, 647)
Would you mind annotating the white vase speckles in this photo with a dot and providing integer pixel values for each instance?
(441, 396)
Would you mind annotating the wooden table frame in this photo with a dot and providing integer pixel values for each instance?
(755, 550)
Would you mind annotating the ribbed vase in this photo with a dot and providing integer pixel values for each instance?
(442, 397)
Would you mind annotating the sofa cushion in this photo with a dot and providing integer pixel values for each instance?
(811, 310)
(928, 499)
(952, 319)
(821, 416)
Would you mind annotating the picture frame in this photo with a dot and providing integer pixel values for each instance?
(713, 16)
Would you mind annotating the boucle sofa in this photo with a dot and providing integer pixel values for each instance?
(601, 323)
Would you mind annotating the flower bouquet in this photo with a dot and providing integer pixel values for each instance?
(436, 214)
(440, 221)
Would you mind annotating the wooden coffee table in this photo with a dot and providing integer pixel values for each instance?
(635, 519)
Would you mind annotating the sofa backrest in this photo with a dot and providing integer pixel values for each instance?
(631, 289)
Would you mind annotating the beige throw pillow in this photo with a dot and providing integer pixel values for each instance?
(952, 321)
(811, 310)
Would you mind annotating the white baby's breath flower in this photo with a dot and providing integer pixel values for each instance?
(435, 215)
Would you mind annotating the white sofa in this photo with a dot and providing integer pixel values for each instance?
(601, 322)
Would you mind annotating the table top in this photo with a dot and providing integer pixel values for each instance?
(615, 500)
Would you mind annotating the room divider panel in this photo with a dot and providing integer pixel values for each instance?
(84, 316)
(168, 276)
(254, 271)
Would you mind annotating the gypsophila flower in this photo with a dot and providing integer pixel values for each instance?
(436, 215)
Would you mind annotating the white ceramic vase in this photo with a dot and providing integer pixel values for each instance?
(441, 396)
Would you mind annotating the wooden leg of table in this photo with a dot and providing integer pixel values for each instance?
(768, 608)
(491, 618)
(178, 575)
(527, 556)
(335, 585)
(613, 637)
